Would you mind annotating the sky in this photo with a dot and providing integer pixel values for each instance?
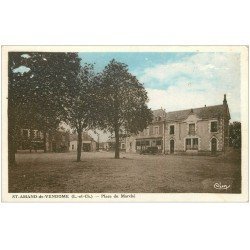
(177, 80)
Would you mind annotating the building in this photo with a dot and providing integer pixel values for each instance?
(88, 143)
(32, 139)
(199, 130)
(29, 139)
(153, 136)
(58, 141)
(110, 144)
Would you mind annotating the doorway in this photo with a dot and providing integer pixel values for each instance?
(86, 147)
(171, 146)
(214, 145)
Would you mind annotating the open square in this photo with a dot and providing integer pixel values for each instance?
(99, 172)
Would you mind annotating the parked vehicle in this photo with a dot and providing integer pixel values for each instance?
(149, 150)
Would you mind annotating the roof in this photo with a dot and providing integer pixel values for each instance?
(159, 112)
(203, 113)
(85, 137)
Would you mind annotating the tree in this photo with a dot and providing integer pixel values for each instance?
(37, 96)
(122, 102)
(52, 77)
(13, 103)
(235, 135)
(81, 109)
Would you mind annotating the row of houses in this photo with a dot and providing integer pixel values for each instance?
(58, 141)
(62, 141)
(198, 130)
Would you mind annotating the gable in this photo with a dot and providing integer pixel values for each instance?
(192, 118)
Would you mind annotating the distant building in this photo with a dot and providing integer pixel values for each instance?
(102, 145)
(30, 139)
(88, 143)
(110, 144)
(59, 141)
(196, 130)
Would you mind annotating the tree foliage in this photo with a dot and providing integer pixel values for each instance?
(53, 87)
(81, 108)
(235, 135)
(122, 102)
(37, 95)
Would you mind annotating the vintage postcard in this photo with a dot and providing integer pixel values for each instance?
(124, 124)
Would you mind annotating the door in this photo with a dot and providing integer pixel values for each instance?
(214, 145)
(86, 147)
(171, 146)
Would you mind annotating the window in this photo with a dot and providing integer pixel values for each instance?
(73, 146)
(192, 129)
(138, 143)
(158, 142)
(156, 130)
(195, 143)
(147, 143)
(214, 126)
(188, 144)
(171, 130)
(146, 132)
(32, 134)
(192, 144)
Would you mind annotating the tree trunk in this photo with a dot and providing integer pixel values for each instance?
(79, 145)
(30, 139)
(50, 142)
(117, 142)
(11, 140)
(45, 141)
(11, 149)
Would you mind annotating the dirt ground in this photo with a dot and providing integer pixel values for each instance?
(99, 172)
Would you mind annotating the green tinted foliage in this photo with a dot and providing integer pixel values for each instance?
(235, 134)
(123, 100)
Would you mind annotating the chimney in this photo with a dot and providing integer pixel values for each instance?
(225, 100)
(205, 105)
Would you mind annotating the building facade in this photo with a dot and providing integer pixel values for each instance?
(88, 143)
(32, 139)
(199, 130)
(29, 139)
(110, 144)
(153, 136)
(59, 141)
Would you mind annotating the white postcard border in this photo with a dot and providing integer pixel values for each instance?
(133, 197)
